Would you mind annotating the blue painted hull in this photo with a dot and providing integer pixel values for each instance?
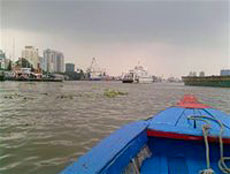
(167, 143)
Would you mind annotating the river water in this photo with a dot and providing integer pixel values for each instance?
(46, 126)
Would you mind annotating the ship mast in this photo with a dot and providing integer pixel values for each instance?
(93, 63)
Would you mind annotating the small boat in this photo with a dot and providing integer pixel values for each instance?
(188, 138)
(128, 78)
(2, 76)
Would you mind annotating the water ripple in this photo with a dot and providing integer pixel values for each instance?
(46, 126)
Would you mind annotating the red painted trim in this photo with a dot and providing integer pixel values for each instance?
(190, 101)
(155, 133)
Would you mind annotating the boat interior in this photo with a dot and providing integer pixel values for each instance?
(171, 142)
(177, 146)
(180, 157)
(131, 150)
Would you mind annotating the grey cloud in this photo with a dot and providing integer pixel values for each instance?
(180, 22)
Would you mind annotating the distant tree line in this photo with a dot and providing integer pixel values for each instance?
(24, 63)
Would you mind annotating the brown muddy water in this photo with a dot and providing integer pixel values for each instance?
(46, 126)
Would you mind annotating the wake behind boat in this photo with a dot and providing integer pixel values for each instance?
(189, 138)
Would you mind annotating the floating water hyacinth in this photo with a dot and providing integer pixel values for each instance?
(13, 96)
(17, 96)
(111, 93)
(65, 97)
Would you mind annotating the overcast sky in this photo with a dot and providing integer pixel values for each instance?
(169, 38)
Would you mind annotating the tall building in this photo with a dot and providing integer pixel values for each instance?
(54, 61)
(31, 54)
(69, 67)
(42, 63)
(2, 60)
(202, 74)
(49, 60)
(59, 64)
(225, 72)
(192, 74)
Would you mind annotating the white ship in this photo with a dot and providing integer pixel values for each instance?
(141, 75)
(94, 72)
(137, 75)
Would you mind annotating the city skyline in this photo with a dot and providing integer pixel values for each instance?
(168, 38)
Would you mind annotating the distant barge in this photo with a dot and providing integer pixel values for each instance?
(214, 81)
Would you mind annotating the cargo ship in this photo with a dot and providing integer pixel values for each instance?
(95, 73)
(214, 81)
(222, 80)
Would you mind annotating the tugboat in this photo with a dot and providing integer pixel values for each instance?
(128, 78)
(188, 138)
(2, 76)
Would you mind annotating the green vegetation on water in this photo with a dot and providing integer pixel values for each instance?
(17, 96)
(111, 93)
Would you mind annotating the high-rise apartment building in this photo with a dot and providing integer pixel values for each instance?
(54, 61)
(31, 54)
